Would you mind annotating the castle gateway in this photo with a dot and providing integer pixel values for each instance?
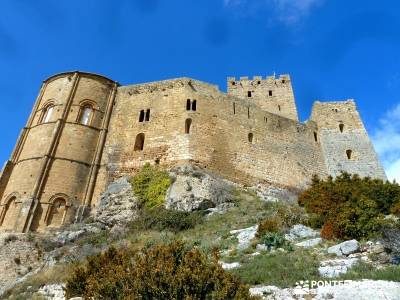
(85, 130)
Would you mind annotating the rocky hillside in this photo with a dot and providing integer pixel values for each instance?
(262, 237)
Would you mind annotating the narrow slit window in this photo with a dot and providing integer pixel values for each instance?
(315, 137)
(249, 94)
(141, 116)
(139, 142)
(188, 124)
(269, 93)
(234, 108)
(279, 107)
(266, 120)
(188, 104)
(248, 112)
(349, 153)
(148, 115)
(341, 127)
(250, 137)
(194, 105)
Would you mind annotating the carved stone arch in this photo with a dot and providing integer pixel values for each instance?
(9, 210)
(57, 210)
(89, 102)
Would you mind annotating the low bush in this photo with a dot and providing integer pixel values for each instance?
(160, 272)
(164, 219)
(273, 224)
(348, 206)
(275, 240)
(150, 185)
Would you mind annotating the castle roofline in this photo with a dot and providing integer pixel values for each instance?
(78, 72)
(172, 80)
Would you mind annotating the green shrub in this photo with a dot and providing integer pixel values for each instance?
(349, 206)
(160, 219)
(160, 272)
(276, 240)
(272, 224)
(150, 185)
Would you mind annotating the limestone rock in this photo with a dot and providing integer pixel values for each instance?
(300, 231)
(229, 266)
(270, 193)
(345, 248)
(52, 292)
(245, 236)
(117, 205)
(334, 267)
(194, 189)
(309, 243)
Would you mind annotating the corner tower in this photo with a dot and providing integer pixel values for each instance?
(344, 141)
(271, 94)
(51, 174)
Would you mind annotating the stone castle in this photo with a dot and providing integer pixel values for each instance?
(85, 130)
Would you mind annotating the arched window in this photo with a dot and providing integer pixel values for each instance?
(57, 213)
(250, 137)
(341, 127)
(47, 113)
(7, 216)
(139, 142)
(188, 123)
(85, 114)
(148, 115)
(348, 153)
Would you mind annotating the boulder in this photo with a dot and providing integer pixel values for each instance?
(345, 248)
(195, 189)
(117, 205)
(334, 267)
(52, 292)
(229, 266)
(300, 231)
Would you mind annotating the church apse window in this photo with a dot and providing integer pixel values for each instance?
(139, 142)
(341, 127)
(57, 213)
(85, 114)
(47, 113)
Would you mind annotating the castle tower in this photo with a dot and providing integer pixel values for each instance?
(272, 94)
(51, 174)
(344, 140)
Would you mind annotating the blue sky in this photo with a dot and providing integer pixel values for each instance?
(333, 49)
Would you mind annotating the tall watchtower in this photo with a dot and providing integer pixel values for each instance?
(271, 94)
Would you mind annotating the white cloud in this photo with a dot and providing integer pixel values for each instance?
(286, 11)
(386, 139)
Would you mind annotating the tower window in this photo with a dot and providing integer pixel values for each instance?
(85, 114)
(188, 124)
(349, 153)
(141, 116)
(234, 108)
(249, 94)
(341, 127)
(139, 142)
(248, 112)
(269, 93)
(148, 115)
(194, 105)
(250, 137)
(279, 107)
(315, 136)
(188, 104)
(47, 113)
(233, 83)
(283, 80)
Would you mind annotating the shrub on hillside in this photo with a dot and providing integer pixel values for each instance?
(160, 219)
(150, 185)
(159, 272)
(349, 206)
